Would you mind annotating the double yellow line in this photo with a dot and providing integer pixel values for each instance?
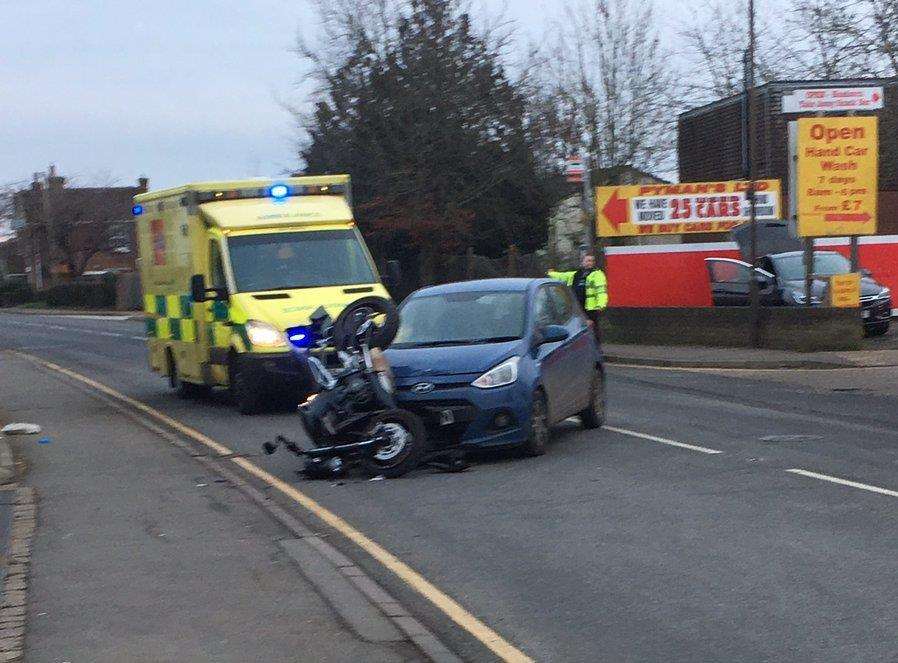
(445, 603)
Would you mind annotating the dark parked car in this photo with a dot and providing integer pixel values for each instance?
(780, 276)
(497, 362)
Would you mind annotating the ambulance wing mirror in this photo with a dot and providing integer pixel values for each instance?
(200, 293)
(393, 277)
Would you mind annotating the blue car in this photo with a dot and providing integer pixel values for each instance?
(497, 362)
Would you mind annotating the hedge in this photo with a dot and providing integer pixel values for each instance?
(13, 294)
(81, 294)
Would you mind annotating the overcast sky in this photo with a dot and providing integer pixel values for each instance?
(109, 90)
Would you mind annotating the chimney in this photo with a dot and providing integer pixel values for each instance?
(54, 181)
(143, 183)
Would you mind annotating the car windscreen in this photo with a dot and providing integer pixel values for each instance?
(283, 261)
(461, 318)
(791, 268)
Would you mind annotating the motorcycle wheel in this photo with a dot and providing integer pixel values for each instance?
(352, 317)
(407, 444)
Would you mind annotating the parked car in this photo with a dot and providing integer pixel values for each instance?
(781, 277)
(497, 362)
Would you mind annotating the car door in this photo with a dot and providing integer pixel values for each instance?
(730, 281)
(578, 351)
(549, 355)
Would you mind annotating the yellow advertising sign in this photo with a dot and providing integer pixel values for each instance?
(845, 290)
(674, 209)
(838, 176)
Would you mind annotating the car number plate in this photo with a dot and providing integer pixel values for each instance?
(865, 314)
(447, 417)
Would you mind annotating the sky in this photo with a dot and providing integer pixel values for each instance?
(110, 90)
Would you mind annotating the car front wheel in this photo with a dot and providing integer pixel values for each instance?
(593, 416)
(538, 439)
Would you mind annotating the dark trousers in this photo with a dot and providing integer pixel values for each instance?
(596, 318)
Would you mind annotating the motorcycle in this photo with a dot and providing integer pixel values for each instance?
(352, 416)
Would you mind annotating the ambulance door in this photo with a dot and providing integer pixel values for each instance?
(215, 332)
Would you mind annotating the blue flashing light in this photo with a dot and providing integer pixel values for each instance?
(279, 191)
(300, 337)
(137, 210)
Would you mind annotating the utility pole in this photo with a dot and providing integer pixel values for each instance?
(588, 206)
(749, 172)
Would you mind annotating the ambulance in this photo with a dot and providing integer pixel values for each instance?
(231, 272)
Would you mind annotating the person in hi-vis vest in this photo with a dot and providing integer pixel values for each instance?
(590, 287)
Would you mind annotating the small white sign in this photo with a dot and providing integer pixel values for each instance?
(833, 99)
(575, 167)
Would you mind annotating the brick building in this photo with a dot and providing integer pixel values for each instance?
(65, 231)
(710, 140)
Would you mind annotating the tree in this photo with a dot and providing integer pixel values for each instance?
(715, 46)
(84, 222)
(613, 85)
(417, 106)
(837, 39)
(815, 39)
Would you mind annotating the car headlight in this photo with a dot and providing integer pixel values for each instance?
(499, 376)
(798, 296)
(264, 335)
(885, 293)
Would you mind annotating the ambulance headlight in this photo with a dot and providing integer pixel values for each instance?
(264, 335)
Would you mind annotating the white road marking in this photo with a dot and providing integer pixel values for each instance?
(80, 330)
(663, 440)
(845, 482)
(104, 318)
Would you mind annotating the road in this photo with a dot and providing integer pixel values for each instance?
(720, 516)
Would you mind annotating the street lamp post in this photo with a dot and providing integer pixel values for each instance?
(749, 173)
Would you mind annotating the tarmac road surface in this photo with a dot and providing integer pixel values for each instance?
(720, 516)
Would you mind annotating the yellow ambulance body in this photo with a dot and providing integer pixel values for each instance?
(230, 270)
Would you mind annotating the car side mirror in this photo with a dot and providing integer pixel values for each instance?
(553, 334)
(393, 277)
(200, 293)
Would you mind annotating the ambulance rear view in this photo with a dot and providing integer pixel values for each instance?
(231, 272)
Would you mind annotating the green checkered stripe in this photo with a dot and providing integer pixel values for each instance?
(170, 317)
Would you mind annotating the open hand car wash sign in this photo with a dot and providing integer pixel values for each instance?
(838, 176)
(674, 209)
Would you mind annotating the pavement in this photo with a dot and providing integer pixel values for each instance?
(880, 351)
(144, 555)
(721, 515)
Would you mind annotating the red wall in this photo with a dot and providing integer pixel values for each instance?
(675, 274)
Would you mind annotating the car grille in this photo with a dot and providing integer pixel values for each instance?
(879, 308)
(438, 434)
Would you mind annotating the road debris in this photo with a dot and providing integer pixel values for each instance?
(20, 429)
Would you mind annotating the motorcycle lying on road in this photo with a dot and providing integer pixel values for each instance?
(352, 416)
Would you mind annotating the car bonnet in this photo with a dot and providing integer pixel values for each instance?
(448, 360)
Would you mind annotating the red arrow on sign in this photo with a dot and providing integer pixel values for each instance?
(615, 210)
(847, 217)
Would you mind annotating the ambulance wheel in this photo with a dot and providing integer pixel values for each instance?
(185, 390)
(245, 392)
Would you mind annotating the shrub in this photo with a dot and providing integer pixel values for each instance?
(82, 294)
(13, 294)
